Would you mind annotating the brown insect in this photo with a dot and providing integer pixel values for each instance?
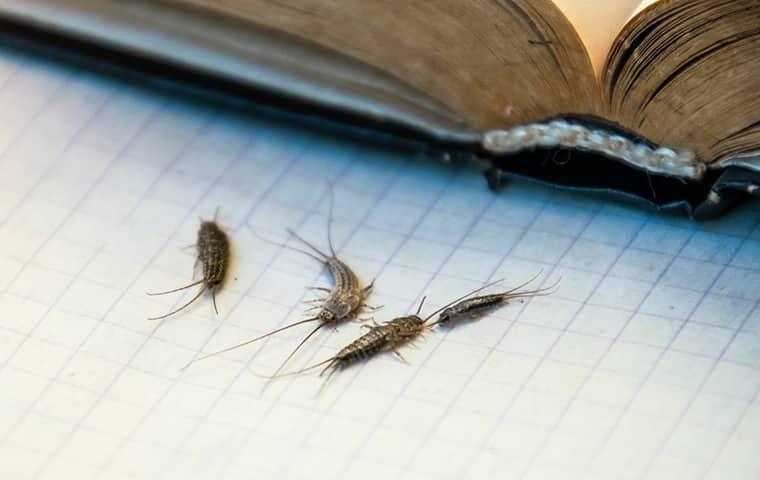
(473, 308)
(343, 302)
(388, 336)
(213, 248)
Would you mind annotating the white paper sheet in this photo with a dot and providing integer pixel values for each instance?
(645, 363)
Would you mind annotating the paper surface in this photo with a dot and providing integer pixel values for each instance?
(644, 364)
(597, 35)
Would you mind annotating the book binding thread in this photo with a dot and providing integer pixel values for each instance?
(561, 133)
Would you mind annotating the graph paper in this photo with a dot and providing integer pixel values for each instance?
(645, 364)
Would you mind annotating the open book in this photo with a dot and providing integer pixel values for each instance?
(658, 99)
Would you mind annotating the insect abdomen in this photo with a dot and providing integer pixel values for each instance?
(344, 277)
(213, 252)
(472, 306)
(365, 346)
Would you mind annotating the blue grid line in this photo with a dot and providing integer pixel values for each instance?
(538, 365)
(293, 308)
(597, 364)
(367, 438)
(172, 456)
(648, 374)
(42, 467)
(263, 197)
(73, 280)
(429, 434)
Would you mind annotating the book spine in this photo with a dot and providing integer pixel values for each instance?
(560, 133)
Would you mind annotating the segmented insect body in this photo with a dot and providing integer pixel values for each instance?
(344, 301)
(213, 253)
(346, 297)
(213, 248)
(380, 338)
(472, 308)
(388, 336)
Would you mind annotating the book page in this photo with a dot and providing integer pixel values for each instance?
(644, 363)
(436, 66)
(644, 4)
(598, 22)
(680, 62)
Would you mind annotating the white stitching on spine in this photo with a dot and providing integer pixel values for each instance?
(560, 133)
